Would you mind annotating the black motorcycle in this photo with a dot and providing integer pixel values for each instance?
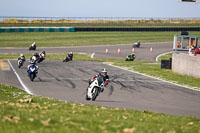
(136, 45)
(32, 47)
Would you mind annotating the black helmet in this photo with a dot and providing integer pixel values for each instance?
(35, 54)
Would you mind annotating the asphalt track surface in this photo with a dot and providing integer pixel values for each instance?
(68, 82)
(142, 53)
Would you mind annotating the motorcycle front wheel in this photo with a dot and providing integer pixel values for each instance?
(95, 94)
(32, 77)
(19, 65)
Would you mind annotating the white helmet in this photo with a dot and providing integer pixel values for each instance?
(33, 60)
(104, 70)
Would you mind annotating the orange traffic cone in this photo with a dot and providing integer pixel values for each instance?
(151, 49)
(133, 50)
(106, 51)
(118, 50)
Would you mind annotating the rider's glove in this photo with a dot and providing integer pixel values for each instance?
(106, 82)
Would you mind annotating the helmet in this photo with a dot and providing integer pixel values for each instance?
(104, 72)
(138, 41)
(35, 54)
(33, 60)
(43, 52)
(21, 55)
(70, 52)
(34, 43)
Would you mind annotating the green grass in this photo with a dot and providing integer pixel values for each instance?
(165, 57)
(21, 112)
(57, 39)
(155, 70)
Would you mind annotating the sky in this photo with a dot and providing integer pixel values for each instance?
(100, 8)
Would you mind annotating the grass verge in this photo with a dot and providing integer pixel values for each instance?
(21, 112)
(57, 39)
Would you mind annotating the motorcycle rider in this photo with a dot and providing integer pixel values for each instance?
(33, 63)
(35, 57)
(131, 57)
(43, 54)
(103, 73)
(22, 57)
(69, 57)
(136, 45)
(33, 46)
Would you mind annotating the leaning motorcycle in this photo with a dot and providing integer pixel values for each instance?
(95, 87)
(32, 72)
(40, 59)
(130, 57)
(20, 63)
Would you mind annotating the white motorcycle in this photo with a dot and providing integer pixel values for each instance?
(20, 63)
(96, 86)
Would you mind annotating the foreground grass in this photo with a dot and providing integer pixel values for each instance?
(149, 68)
(22, 113)
(58, 39)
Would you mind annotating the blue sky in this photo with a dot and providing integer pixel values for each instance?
(99, 8)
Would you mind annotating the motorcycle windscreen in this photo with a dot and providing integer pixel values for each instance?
(100, 80)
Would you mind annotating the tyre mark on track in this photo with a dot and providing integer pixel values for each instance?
(71, 83)
(111, 88)
(59, 81)
(83, 71)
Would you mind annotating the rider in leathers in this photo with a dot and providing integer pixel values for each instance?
(103, 73)
(33, 62)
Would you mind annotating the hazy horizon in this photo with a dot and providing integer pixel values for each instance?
(103, 8)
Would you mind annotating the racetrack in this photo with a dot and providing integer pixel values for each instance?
(142, 53)
(68, 81)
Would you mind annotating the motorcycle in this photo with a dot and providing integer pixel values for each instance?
(32, 72)
(95, 87)
(67, 59)
(130, 57)
(20, 63)
(40, 59)
(32, 47)
(136, 45)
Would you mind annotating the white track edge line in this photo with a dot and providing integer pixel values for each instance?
(190, 88)
(92, 56)
(21, 82)
(162, 55)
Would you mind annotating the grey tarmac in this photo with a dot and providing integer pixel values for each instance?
(68, 82)
(142, 53)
